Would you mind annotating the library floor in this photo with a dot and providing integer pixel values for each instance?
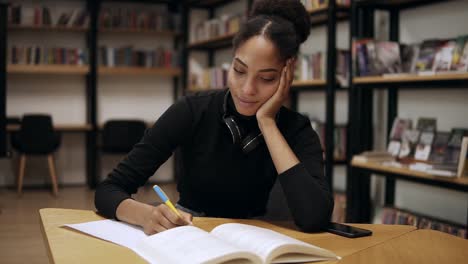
(20, 234)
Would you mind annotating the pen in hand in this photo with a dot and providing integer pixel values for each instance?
(168, 202)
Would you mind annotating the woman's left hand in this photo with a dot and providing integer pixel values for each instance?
(269, 109)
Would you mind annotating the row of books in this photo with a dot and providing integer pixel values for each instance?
(440, 149)
(42, 16)
(312, 67)
(312, 4)
(371, 57)
(403, 217)
(211, 78)
(212, 28)
(39, 55)
(339, 138)
(158, 20)
(423, 148)
(129, 56)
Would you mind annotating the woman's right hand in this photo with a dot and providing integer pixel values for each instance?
(160, 218)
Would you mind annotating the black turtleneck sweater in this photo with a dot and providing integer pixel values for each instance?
(217, 178)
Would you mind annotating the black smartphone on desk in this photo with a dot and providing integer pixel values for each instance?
(347, 231)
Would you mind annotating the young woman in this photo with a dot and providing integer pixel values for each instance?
(236, 142)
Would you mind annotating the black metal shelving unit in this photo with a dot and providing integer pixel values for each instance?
(328, 16)
(3, 76)
(361, 111)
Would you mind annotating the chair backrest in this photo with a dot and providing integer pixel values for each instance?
(37, 134)
(119, 136)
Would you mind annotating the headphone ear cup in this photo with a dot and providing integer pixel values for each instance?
(235, 130)
(251, 141)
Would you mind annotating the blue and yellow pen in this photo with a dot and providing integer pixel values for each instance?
(165, 199)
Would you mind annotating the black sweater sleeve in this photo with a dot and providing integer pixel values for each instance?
(305, 187)
(144, 159)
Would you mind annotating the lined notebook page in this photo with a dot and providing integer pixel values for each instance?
(187, 244)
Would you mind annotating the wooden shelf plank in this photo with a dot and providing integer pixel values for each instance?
(308, 83)
(47, 28)
(319, 16)
(59, 127)
(140, 31)
(47, 69)
(405, 172)
(139, 71)
(410, 78)
(221, 41)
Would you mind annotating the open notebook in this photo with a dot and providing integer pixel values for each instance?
(227, 243)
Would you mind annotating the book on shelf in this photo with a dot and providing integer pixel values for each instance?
(39, 55)
(211, 78)
(312, 67)
(43, 16)
(440, 148)
(409, 140)
(400, 125)
(462, 168)
(428, 128)
(423, 149)
(427, 53)
(433, 56)
(313, 4)
(216, 27)
(231, 242)
(132, 57)
(157, 18)
(339, 137)
(445, 155)
(397, 216)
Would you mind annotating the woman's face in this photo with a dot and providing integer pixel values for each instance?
(254, 74)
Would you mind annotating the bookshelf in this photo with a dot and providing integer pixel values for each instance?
(91, 72)
(361, 114)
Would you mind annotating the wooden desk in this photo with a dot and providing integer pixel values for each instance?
(420, 246)
(65, 245)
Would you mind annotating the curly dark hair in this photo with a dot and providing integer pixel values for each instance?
(285, 22)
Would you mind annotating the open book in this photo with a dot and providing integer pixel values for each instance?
(227, 243)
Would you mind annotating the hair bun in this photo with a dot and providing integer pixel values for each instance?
(291, 10)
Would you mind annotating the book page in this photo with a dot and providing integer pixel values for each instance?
(185, 244)
(189, 244)
(270, 245)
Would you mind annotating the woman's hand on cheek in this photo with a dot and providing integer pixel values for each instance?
(269, 109)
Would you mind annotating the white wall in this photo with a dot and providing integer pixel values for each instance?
(142, 97)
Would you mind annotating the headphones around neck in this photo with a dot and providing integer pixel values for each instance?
(247, 143)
